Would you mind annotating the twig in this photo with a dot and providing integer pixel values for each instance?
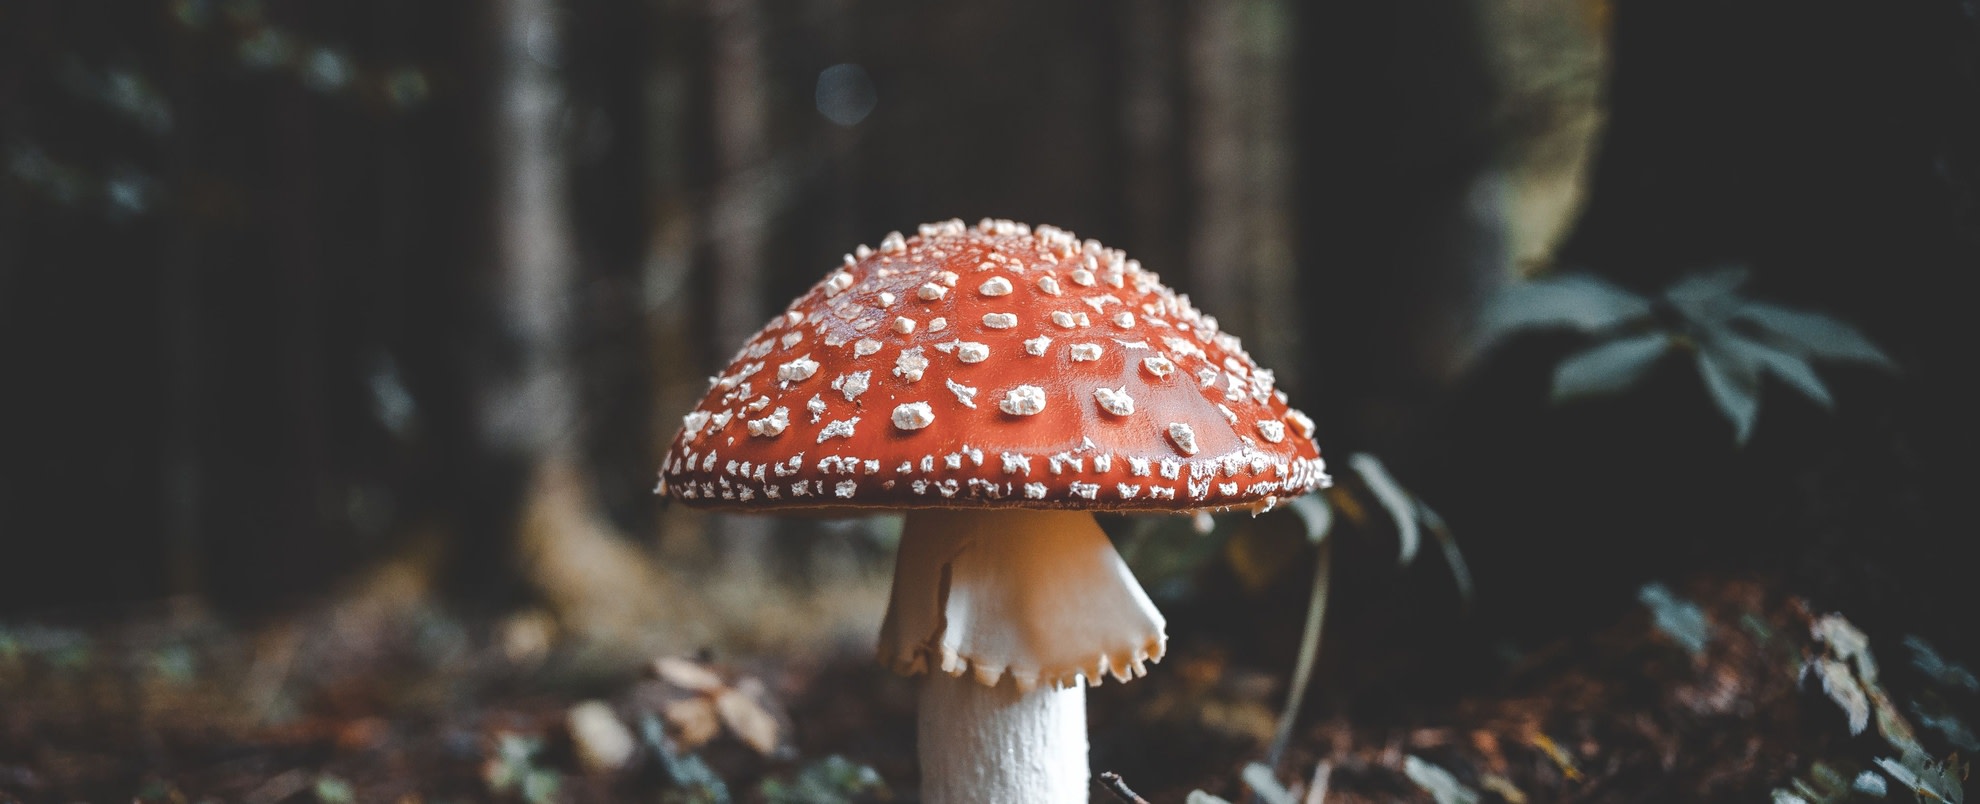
(1309, 649)
(1114, 784)
(1323, 774)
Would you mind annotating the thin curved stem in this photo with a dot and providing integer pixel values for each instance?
(1309, 650)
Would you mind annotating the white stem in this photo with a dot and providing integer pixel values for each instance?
(996, 744)
(1010, 613)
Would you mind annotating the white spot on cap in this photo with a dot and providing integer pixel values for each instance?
(1158, 366)
(910, 365)
(757, 404)
(964, 393)
(1000, 320)
(972, 352)
(1138, 467)
(791, 339)
(1182, 346)
(846, 488)
(930, 292)
(1034, 491)
(1128, 490)
(885, 298)
(1083, 352)
(1015, 463)
(797, 370)
(772, 424)
(793, 318)
(996, 286)
(692, 423)
(838, 429)
(816, 407)
(1036, 346)
(837, 283)
(1272, 430)
(938, 324)
(947, 278)
(1184, 438)
(1115, 401)
(1082, 277)
(1229, 415)
(853, 384)
(1024, 400)
(913, 416)
(1064, 319)
(904, 325)
(1124, 319)
(865, 346)
(1302, 421)
(1049, 285)
(893, 243)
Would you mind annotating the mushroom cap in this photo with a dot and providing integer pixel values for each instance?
(992, 366)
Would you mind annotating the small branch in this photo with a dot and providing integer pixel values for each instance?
(1115, 785)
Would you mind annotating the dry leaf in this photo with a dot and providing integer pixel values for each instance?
(693, 721)
(603, 743)
(1842, 688)
(748, 720)
(687, 674)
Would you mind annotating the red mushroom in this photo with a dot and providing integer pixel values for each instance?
(999, 382)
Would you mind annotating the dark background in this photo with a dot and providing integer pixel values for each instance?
(256, 310)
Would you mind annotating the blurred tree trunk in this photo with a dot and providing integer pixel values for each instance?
(1240, 268)
(1150, 132)
(737, 224)
(596, 581)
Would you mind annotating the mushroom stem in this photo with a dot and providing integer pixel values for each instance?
(1009, 612)
(984, 744)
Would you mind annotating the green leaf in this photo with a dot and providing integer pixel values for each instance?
(1818, 335)
(833, 780)
(1259, 778)
(1576, 301)
(1439, 783)
(1790, 368)
(1391, 495)
(1681, 620)
(1609, 367)
(1709, 296)
(1734, 385)
(1315, 514)
(1460, 571)
(1948, 673)
(1931, 781)
(332, 790)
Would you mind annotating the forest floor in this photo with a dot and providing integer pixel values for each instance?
(1729, 691)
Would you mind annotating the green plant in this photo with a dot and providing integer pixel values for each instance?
(1734, 340)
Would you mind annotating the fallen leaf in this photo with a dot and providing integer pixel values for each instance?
(748, 720)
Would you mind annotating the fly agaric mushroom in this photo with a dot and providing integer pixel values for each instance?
(999, 383)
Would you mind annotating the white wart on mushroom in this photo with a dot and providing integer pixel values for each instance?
(999, 335)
